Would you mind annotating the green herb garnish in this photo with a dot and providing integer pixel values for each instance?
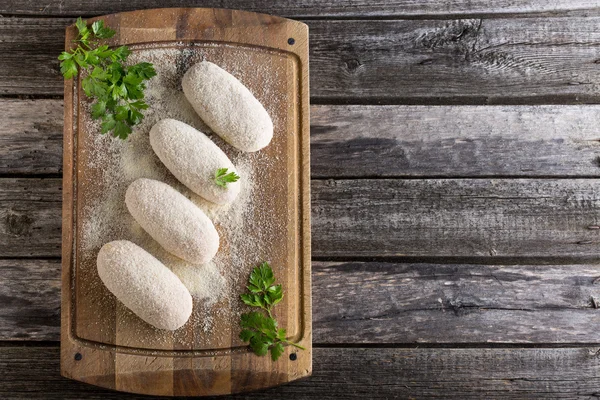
(117, 89)
(258, 328)
(222, 178)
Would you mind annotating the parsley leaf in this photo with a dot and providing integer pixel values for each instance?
(144, 70)
(121, 130)
(84, 32)
(276, 351)
(68, 68)
(101, 31)
(258, 329)
(120, 53)
(263, 292)
(222, 178)
(135, 116)
(98, 109)
(65, 56)
(108, 123)
(118, 90)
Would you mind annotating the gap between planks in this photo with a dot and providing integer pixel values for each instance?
(359, 373)
(383, 304)
(331, 9)
(370, 142)
(542, 60)
(420, 218)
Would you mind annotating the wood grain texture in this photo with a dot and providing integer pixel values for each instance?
(308, 8)
(456, 218)
(432, 303)
(520, 218)
(446, 61)
(31, 136)
(359, 373)
(121, 351)
(472, 61)
(375, 302)
(377, 141)
(30, 48)
(454, 141)
(30, 213)
(30, 298)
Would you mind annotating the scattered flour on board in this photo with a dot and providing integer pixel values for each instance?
(113, 164)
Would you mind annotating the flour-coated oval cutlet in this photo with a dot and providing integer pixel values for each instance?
(176, 223)
(194, 159)
(144, 285)
(227, 106)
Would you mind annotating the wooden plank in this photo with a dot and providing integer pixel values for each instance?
(30, 217)
(453, 141)
(30, 298)
(432, 303)
(358, 373)
(381, 302)
(31, 136)
(464, 218)
(470, 61)
(377, 141)
(308, 8)
(30, 47)
(545, 219)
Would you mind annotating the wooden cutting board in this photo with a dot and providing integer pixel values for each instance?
(104, 344)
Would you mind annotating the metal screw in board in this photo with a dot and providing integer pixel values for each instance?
(293, 356)
(291, 41)
(78, 356)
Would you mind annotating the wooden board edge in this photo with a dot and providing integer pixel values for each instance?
(67, 220)
(302, 51)
(220, 15)
(545, 371)
(181, 381)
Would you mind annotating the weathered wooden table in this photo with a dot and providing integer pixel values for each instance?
(456, 196)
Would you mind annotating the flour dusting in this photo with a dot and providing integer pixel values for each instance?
(251, 228)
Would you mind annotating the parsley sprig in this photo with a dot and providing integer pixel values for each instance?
(222, 178)
(117, 89)
(258, 329)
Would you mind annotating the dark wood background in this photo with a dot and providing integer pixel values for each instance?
(456, 197)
